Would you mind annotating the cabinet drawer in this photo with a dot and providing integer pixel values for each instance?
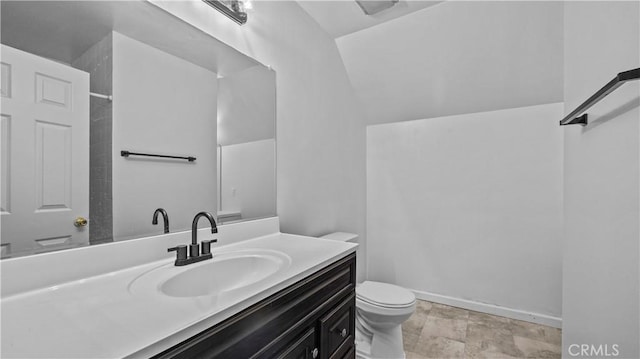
(304, 347)
(337, 329)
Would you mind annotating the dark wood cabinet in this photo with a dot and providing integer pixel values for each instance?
(313, 318)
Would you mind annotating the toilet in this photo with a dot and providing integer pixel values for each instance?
(381, 308)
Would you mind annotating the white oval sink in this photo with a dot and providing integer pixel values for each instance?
(221, 275)
(224, 273)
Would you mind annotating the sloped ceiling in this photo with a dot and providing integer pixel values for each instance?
(343, 17)
(458, 57)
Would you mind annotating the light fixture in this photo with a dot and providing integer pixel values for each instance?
(371, 7)
(234, 9)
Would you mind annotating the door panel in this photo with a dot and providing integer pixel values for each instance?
(53, 167)
(5, 80)
(52, 91)
(5, 152)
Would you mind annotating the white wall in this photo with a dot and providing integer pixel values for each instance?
(247, 106)
(467, 209)
(248, 178)
(156, 94)
(601, 179)
(320, 129)
(457, 57)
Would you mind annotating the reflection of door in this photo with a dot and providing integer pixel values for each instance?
(44, 150)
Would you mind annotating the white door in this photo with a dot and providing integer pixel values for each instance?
(44, 153)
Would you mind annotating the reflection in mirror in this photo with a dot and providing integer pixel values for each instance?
(246, 145)
(174, 90)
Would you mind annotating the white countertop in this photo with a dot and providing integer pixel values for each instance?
(100, 317)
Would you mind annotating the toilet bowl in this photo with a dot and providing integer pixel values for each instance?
(381, 309)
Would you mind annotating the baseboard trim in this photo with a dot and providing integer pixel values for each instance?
(543, 319)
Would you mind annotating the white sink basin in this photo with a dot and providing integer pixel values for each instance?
(224, 273)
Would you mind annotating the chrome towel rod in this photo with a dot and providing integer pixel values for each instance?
(106, 97)
(128, 153)
(617, 81)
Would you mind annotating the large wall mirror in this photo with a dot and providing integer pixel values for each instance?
(83, 81)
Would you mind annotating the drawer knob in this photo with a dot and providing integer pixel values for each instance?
(314, 353)
(343, 333)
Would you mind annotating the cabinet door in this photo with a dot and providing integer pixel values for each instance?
(337, 329)
(351, 354)
(305, 347)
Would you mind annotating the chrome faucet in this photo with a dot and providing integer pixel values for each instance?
(194, 248)
(165, 218)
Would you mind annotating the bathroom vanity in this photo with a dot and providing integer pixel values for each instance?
(264, 294)
(313, 318)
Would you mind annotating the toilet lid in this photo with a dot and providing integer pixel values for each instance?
(384, 294)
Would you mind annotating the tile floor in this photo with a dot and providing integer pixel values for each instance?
(440, 331)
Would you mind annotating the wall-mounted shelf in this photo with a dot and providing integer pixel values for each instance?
(574, 117)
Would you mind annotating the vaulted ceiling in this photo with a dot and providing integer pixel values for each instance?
(343, 17)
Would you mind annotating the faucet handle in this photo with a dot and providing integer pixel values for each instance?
(206, 245)
(181, 252)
